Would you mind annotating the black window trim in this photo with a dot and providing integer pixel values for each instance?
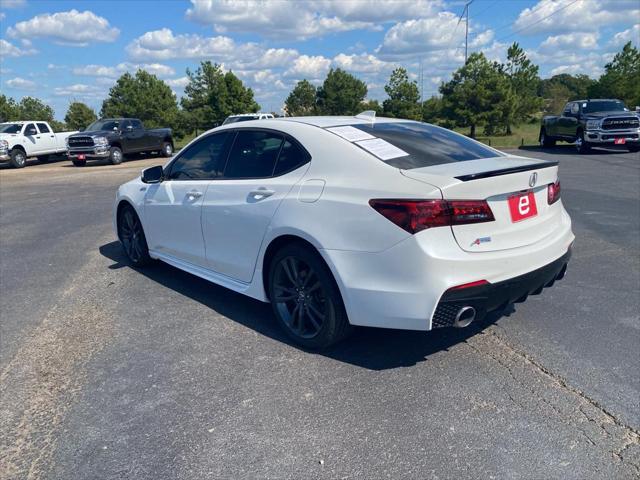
(285, 137)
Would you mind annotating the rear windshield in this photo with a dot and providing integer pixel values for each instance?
(239, 119)
(427, 145)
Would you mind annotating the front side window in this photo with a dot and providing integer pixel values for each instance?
(136, 124)
(427, 145)
(202, 160)
(253, 155)
(43, 128)
(30, 129)
(575, 108)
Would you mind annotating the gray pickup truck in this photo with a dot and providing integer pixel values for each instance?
(591, 123)
(113, 138)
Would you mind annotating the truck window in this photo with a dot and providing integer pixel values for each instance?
(10, 128)
(136, 124)
(43, 128)
(30, 129)
(567, 110)
(575, 108)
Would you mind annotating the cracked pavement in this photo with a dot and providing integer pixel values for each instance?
(112, 373)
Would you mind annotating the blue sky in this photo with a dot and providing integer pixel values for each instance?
(61, 51)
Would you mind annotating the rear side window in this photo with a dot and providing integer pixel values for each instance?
(427, 145)
(43, 128)
(203, 160)
(253, 155)
(291, 157)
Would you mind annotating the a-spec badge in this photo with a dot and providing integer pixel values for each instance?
(480, 240)
(533, 179)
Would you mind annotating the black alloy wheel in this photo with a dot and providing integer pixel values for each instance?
(305, 298)
(132, 237)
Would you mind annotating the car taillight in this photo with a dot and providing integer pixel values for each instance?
(417, 215)
(553, 192)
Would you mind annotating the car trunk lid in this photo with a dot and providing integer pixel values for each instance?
(518, 222)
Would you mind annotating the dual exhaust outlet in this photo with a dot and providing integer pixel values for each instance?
(464, 317)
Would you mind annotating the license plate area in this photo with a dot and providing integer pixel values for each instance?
(619, 141)
(522, 206)
(82, 156)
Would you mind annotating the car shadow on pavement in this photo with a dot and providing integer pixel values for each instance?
(370, 348)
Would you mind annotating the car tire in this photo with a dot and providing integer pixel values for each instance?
(546, 141)
(167, 149)
(115, 156)
(305, 298)
(132, 237)
(17, 158)
(79, 163)
(634, 148)
(582, 146)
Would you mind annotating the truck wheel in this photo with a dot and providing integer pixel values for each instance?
(581, 144)
(115, 156)
(44, 158)
(79, 163)
(18, 159)
(546, 141)
(167, 149)
(634, 148)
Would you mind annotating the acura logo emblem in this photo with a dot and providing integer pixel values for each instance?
(533, 179)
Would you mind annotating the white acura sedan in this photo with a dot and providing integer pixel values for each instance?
(341, 221)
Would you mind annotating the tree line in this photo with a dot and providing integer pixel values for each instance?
(483, 93)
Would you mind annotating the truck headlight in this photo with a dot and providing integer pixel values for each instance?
(100, 141)
(593, 124)
(4, 145)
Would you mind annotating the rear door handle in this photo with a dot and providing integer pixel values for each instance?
(260, 194)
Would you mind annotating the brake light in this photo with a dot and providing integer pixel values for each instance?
(553, 192)
(477, 283)
(417, 215)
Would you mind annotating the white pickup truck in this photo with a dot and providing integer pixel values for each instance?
(21, 140)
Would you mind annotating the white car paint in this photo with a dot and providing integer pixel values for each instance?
(387, 276)
(43, 140)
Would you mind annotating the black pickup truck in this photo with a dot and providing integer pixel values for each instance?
(591, 123)
(113, 138)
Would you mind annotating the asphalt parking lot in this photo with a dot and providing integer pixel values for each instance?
(113, 373)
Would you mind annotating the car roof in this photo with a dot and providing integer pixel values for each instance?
(597, 100)
(336, 121)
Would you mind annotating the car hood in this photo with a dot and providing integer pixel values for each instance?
(616, 113)
(93, 133)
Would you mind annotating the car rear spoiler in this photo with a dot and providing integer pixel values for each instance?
(507, 171)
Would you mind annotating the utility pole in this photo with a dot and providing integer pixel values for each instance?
(466, 31)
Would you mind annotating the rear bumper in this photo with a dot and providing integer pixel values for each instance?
(495, 296)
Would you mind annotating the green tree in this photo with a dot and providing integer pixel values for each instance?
(341, 93)
(404, 96)
(577, 86)
(211, 96)
(475, 93)
(302, 100)
(372, 105)
(142, 96)
(523, 99)
(556, 96)
(8, 109)
(432, 110)
(31, 108)
(621, 78)
(79, 116)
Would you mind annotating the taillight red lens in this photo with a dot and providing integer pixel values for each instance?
(417, 215)
(553, 192)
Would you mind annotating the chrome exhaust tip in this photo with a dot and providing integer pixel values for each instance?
(465, 316)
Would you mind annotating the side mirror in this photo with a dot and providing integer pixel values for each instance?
(31, 131)
(153, 174)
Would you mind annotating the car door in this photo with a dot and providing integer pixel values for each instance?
(47, 139)
(32, 139)
(172, 208)
(568, 121)
(262, 167)
(130, 137)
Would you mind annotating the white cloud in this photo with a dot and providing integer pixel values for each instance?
(439, 32)
(571, 42)
(7, 49)
(2, 16)
(79, 90)
(68, 28)
(20, 83)
(580, 16)
(363, 63)
(180, 82)
(93, 70)
(630, 35)
(13, 3)
(163, 45)
(309, 67)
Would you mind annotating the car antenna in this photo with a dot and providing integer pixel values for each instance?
(367, 115)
